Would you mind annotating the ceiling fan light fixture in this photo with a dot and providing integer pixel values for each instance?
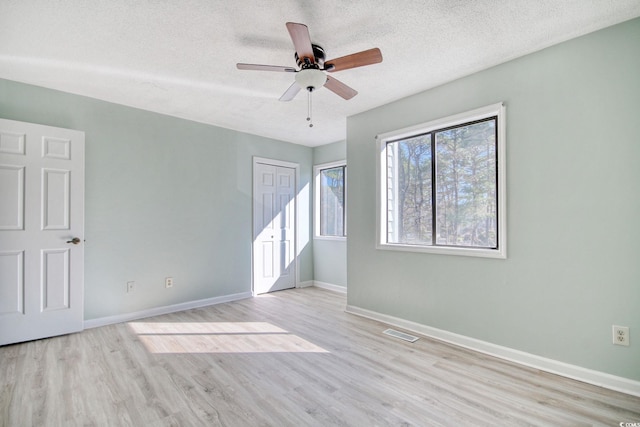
(311, 78)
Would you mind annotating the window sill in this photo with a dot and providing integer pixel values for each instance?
(482, 253)
(334, 238)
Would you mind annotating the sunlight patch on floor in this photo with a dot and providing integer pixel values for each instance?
(220, 337)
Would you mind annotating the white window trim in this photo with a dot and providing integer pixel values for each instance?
(498, 110)
(316, 199)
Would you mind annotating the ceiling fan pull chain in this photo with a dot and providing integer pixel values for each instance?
(309, 108)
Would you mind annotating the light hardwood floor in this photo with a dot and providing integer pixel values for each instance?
(291, 358)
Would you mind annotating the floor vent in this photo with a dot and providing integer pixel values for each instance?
(400, 335)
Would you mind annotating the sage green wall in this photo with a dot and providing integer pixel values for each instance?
(330, 152)
(164, 197)
(330, 256)
(573, 267)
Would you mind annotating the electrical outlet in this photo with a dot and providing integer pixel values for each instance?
(168, 282)
(621, 335)
(131, 286)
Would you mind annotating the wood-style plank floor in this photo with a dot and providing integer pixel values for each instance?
(291, 358)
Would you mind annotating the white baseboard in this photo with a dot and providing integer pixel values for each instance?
(330, 287)
(306, 284)
(127, 317)
(590, 376)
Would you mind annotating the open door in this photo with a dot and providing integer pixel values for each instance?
(41, 231)
(274, 225)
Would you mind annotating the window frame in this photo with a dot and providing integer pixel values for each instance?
(495, 110)
(317, 169)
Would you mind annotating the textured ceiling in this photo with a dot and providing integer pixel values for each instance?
(178, 57)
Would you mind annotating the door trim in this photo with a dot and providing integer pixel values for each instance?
(296, 168)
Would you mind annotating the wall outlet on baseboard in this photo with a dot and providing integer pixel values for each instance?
(168, 282)
(131, 286)
(621, 335)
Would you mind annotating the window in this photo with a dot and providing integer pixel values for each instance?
(330, 200)
(442, 186)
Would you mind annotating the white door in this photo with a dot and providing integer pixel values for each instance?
(274, 210)
(41, 213)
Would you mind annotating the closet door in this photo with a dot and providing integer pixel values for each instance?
(274, 207)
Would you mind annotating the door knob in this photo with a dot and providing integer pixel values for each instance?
(75, 240)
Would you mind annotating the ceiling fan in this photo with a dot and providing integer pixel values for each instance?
(311, 74)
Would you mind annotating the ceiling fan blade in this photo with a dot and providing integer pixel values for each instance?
(259, 67)
(301, 41)
(366, 57)
(339, 88)
(291, 92)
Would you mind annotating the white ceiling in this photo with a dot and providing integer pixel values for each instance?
(178, 57)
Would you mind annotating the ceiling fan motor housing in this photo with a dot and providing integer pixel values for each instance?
(318, 52)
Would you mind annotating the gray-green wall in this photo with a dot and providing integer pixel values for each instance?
(330, 256)
(573, 267)
(164, 197)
